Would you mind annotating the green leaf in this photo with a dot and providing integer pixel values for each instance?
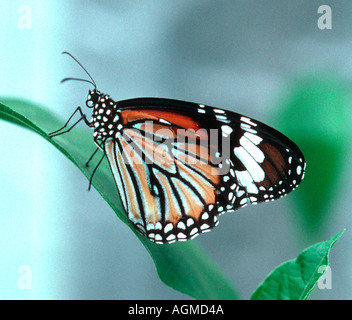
(183, 266)
(316, 114)
(295, 279)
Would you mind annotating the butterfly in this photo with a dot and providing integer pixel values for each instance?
(178, 165)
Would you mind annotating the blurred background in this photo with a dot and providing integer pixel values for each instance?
(266, 59)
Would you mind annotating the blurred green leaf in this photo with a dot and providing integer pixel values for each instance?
(295, 279)
(183, 266)
(316, 113)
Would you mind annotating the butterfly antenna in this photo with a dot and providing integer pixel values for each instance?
(78, 79)
(93, 82)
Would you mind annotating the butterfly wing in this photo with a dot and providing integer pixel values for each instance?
(178, 165)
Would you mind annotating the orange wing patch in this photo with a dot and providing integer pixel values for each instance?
(179, 121)
(153, 114)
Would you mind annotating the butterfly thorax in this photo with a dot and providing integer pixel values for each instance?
(106, 119)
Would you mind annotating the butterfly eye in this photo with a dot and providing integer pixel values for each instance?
(89, 103)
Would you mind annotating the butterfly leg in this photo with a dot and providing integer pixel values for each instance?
(95, 169)
(94, 153)
(83, 117)
(91, 157)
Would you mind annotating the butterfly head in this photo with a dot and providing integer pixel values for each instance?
(93, 98)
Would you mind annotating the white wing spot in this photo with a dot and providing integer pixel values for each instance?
(226, 129)
(299, 170)
(181, 236)
(171, 238)
(249, 121)
(150, 226)
(240, 193)
(243, 201)
(205, 216)
(248, 128)
(181, 225)
(252, 149)
(168, 227)
(220, 117)
(254, 138)
(249, 161)
(164, 121)
(245, 180)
